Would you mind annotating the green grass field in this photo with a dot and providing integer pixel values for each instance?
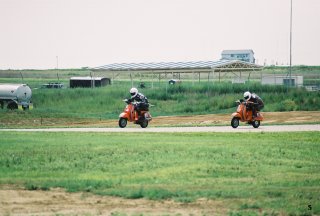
(272, 173)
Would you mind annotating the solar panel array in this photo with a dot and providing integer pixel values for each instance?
(166, 65)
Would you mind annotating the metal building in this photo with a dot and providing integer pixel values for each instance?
(242, 55)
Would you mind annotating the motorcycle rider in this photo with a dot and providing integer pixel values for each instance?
(142, 101)
(257, 102)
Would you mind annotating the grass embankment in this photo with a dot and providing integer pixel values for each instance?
(173, 100)
(267, 172)
(58, 105)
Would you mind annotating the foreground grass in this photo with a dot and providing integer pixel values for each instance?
(269, 172)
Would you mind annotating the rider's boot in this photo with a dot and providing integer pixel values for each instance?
(139, 116)
(254, 115)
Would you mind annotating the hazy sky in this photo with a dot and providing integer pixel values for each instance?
(98, 32)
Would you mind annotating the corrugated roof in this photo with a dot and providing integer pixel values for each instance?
(86, 78)
(172, 65)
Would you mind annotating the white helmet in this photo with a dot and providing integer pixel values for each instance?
(247, 95)
(133, 92)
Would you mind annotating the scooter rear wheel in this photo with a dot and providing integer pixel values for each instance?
(123, 122)
(144, 124)
(255, 123)
(235, 122)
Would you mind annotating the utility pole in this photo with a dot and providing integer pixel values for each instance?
(290, 67)
(57, 62)
(57, 67)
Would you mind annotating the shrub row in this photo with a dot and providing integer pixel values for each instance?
(179, 99)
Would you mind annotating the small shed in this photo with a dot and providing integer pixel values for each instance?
(282, 80)
(89, 82)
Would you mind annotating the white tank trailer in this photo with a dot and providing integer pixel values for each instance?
(15, 96)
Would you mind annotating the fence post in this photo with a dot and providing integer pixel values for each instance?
(192, 78)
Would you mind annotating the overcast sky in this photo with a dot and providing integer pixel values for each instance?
(98, 32)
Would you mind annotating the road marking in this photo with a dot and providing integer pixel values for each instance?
(240, 129)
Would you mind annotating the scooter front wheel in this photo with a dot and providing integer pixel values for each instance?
(235, 122)
(123, 122)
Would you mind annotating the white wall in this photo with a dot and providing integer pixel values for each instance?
(278, 80)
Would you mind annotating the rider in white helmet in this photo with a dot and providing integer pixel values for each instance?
(133, 92)
(142, 101)
(247, 95)
(256, 100)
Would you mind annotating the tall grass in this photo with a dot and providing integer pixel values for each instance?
(173, 99)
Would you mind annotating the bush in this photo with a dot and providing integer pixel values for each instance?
(287, 105)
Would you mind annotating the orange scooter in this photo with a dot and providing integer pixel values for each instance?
(244, 114)
(131, 115)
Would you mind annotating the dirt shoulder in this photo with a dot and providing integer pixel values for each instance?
(301, 117)
(16, 201)
(295, 117)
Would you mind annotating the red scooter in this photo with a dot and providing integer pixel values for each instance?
(131, 115)
(244, 114)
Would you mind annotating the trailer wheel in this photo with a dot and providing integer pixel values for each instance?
(12, 106)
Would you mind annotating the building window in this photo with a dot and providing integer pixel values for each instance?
(289, 82)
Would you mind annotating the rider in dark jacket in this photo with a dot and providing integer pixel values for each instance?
(256, 100)
(142, 101)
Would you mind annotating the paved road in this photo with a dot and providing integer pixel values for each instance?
(273, 128)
